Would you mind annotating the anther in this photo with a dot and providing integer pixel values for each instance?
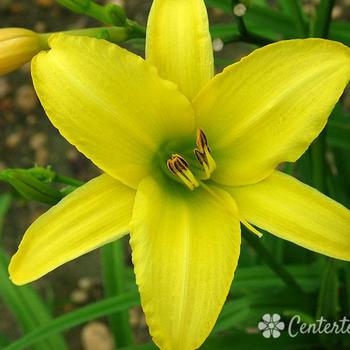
(180, 168)
(202, 153)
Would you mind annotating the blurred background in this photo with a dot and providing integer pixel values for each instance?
(27, 139)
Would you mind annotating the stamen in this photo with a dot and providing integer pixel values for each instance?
(180, 168)
(202, 153)
(251, 228)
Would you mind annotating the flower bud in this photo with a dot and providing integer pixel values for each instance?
(18, 46)
(30, 187)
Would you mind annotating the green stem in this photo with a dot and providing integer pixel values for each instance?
(318, 148)
(323, 19)
(269, 259)
(245, 35)
(98, 12)
(113, 268)
(256, 39)
(243, 31)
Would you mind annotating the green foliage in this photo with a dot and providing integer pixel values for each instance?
(25, 303)
(102, 308)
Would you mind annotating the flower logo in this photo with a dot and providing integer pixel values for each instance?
(271, 325)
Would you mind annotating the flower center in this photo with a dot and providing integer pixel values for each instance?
(202, 170)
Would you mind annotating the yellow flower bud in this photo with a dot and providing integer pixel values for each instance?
(18, 46)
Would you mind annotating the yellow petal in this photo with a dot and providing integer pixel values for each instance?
(185, 247)
(298, 213)
(179, 44)
(110, 104)
(269, 107)
(94, 214)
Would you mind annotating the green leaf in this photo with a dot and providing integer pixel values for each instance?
(328, 300)
(247, 311)
(340, 31)
(295, 10)
(114, 282)
(338, 134)
(102, 308)
(4, 341)
(5, 201)
(225, 32)
(27, 307)
(249, 280)
(244, 340)
(260, 19)
(229, 32)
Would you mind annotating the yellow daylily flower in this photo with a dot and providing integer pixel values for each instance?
(17, 47)
(186, 156)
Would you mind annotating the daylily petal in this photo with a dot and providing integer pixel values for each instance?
(110, 104)
(94, 214)
(179, 44)
(298, 213)
(270, 106)
(185, 247)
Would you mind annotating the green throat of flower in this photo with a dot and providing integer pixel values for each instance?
(201, 170)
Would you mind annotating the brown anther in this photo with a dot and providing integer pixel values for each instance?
(200, 156)
(180, 168)
(202, 140)
(202, 153)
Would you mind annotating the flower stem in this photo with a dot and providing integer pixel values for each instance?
(244, 34)
(269, 259)
(113, 270)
